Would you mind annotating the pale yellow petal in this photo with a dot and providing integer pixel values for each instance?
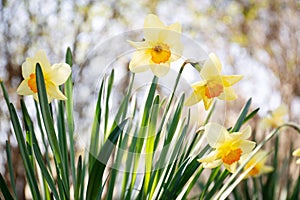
(160, 70)
(281, 111)
(228, 94)
(54, 92)
(152, 26)
(247, 146)
(231, 168)
(246, 132)
(28, 67)
(298, 161)
(266, 169)
(229, 80)
(214, 164)
(196, 96)
(208, 158)
(139, 45)
(296, 152)
(140, 61)
(175, 27)
(24, 89)
(211, 68)
(215, 134)
(41, 58)
(59, 73)
(265, 123)
(35, 96)
(193, 99)
(209, 71)
(207, 102)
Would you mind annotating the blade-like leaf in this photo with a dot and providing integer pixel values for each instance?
(96, 176)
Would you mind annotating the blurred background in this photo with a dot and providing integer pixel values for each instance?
(259, 39)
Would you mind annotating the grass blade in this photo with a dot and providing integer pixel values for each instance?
(96, 175)
(10, 169)
(69, 113)
(24, 154)
(4, 189)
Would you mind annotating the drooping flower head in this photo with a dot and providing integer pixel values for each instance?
(260, 167)
(275, 118)
(213, 84)
(162, 45)
(297, 153)
(54, 76)
(227, 147)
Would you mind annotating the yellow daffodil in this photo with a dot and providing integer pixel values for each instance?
(260, 167)
(213, 84)
(297, 153)
(161, 46)
(228, 147)
(275, 118)
(54, 76)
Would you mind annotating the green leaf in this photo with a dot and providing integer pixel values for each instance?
(24, 154)
(96, 176)
(70, 116)
(108, 92)
(242, 117)
(46, 175)
(10, 169)
(5, 94)
(4, 189)
(79, 175)
(43, 101)
(94, 143)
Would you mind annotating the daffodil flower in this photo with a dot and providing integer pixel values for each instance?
(228, 147)
(297, 153)
(54, 76)
(258, 162)
(213, 84)
(275, 118)
(161, 46)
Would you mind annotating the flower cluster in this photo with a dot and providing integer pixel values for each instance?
(161, 46)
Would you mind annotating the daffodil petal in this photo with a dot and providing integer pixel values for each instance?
(215, 134)
(35, 96)
(247, 146)
(54, 92)
(60, 73)
(139, 45)
(229, 80)
(231, 168)
(280, 111)
(265, 123)
(207, 102)
(28, 67)
(140, 61)
(160, 69)
(24, 89)
(213, 164)
(209, 71)
(152, 27)
(245, 133)
(266, 169)
(298, 161)
(296, 152)
(208, 158)
(193, 99)
(228, 94)
(41, 58)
